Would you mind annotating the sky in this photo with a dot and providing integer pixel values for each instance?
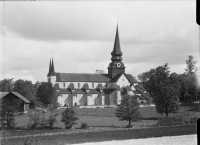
(79, 35)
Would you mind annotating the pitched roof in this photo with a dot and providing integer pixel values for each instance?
(65, 91)
(139, 89)
(86, 86)
(146, 95)
(141, 86)
(136, 92)
(79, 77)
(140, 97)
(116, 48)
(131, 78)
(3, 94)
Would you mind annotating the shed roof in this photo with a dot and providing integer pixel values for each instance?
(3, 94)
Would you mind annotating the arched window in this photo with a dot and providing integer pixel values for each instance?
(78, 85)
(63, 85)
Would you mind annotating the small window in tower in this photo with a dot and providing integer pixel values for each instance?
(123, 79)
(63, 85)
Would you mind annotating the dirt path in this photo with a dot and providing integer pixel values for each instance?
(170, 140)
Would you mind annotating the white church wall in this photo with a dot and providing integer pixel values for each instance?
(79, 99)
(123, 81)
(53, 80)
(94, 99)
(102, 100)
(65, 99)
(118, 99)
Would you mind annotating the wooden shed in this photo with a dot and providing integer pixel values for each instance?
(24, 107)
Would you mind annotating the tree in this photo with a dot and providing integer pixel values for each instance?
(100, 71)
(46, 93)
(26, 89)
(69, 118)
(6, 85)
(154, 78)
(191, 69)
(167, 100)
(128, 109)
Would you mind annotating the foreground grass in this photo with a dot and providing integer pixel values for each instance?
(98, 136)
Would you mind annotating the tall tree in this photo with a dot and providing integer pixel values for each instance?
(191, 68)
(46, 93)
(167, 100)
(6, 85)
(26, 89)
(154, 78)
(128, 109)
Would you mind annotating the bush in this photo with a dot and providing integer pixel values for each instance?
(35, 119)
(69, 118)
(177, 120)
(52, 120)
(8, 118)
(84, 126)
(193, 119)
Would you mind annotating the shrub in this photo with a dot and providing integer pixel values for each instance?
(35, 119)
(8, 118)
(177, 120)
(193, 119)
(84, 126)
(69, 118)
(52, 120)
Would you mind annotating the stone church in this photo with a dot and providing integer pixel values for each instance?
(79, 89)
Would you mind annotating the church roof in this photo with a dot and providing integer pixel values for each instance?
(79, 77)
(116, 48)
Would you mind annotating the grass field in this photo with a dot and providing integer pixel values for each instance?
(104, 117)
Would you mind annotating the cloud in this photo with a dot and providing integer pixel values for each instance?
(81, 36)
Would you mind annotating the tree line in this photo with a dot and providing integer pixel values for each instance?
(168, 89)
(39, 94)
(186, 84)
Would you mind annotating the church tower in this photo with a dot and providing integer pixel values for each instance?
(51, 76)
(116, 66)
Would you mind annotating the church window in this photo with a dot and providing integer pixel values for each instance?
(64, 85)
(78, 85)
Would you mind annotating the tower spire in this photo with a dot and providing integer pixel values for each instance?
(52, 68)
(116, 66)
(49, 68)
(116, 49)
